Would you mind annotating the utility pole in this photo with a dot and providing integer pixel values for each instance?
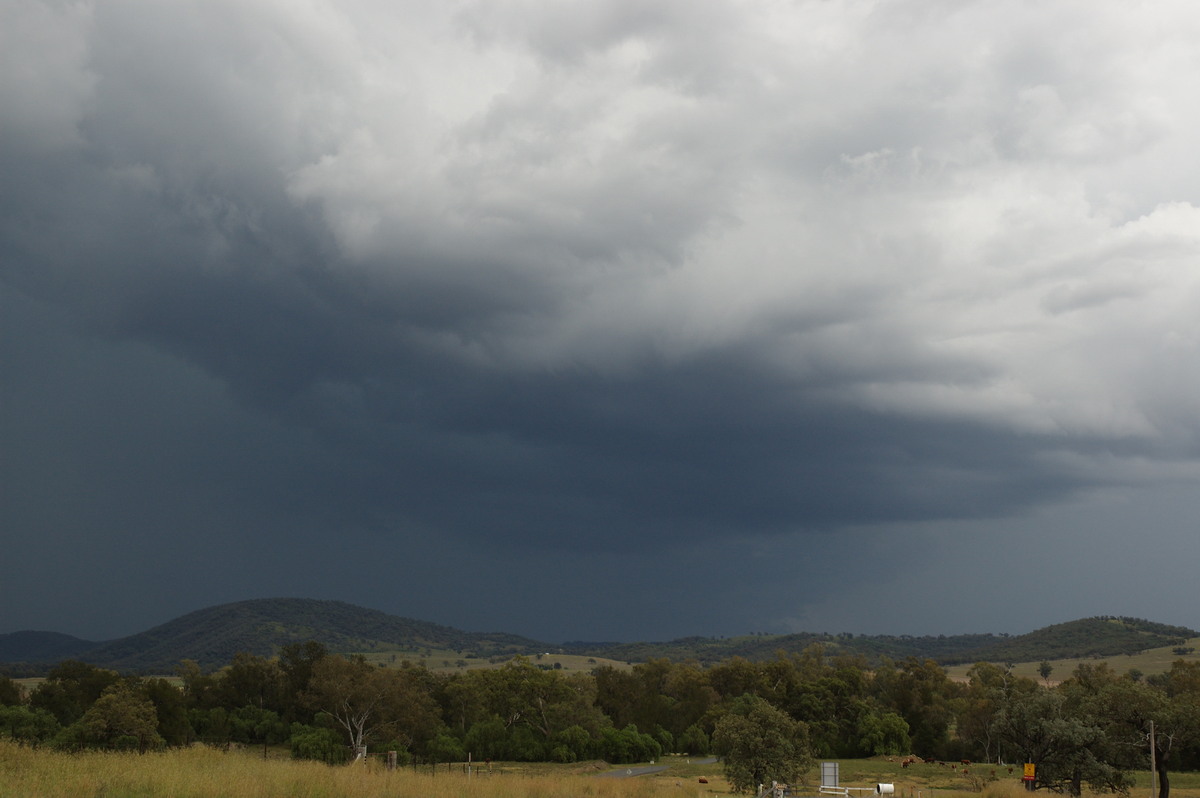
(1153, 764)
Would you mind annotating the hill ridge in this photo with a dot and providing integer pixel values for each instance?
(213, 635)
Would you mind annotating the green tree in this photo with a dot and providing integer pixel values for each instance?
(759, 743)
(694, 741)
(170, 708)
(628, 745)
(988, 687)
(527, 745)
(487, 739)
(211, 726)
(1065, 743)
(251, 681)
(323, 745)
(297, 661)
(122, 717)
(884, 734)
(737, 677)
(521, 694)
(369, 702)
(200, 690)
(10, 692)
(27, 725)
(445, 747)
(692, 698)
(921, 693)
(70, 688)
(464, 698)
(356, 694)
(254, 725)
(572, 744)
(1129, 709)
(655, 694)
(1045, 669)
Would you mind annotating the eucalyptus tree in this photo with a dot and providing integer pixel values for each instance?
(1067, 744)
(759, 743)
(1147, 725)
(70, 689)
(123, 716)
(920, 692)
(372, 703)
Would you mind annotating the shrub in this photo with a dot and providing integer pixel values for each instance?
(323, 745)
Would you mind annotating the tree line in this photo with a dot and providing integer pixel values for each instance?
(770, 720)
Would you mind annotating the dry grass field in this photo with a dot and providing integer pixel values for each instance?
(446, 661)
(1148, 662)
(208, 773)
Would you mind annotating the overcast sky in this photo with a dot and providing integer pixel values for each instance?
(601, 320)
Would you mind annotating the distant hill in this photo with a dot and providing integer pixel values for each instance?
(1089, 637)
(30, 646)
(214, 635)
(708, 650)
(1102, 636)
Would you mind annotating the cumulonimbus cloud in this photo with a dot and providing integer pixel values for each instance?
(745, 266)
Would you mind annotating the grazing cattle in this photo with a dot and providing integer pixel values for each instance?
(966, 762)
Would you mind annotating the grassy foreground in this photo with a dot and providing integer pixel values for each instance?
(992, 781)
(209, 773)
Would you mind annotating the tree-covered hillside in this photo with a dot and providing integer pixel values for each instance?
(214, 635)
(707, 650)
(1089, 637)
(1103, 636)
(30, 646)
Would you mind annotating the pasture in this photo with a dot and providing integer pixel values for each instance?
(200, 772)
(953, 780)
(1149, 662)
(448, 661)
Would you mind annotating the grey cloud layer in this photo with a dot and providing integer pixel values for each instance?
(585, 274)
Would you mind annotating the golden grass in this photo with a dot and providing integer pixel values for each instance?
(208, 773)
(1150, 662)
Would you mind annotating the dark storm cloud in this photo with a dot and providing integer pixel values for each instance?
(587, 279)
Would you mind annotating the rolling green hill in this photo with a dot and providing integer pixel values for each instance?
(29, 646)
(214, 635)
(1101, 636)
(1148, 662)
(709, 650)
(1089, 637)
